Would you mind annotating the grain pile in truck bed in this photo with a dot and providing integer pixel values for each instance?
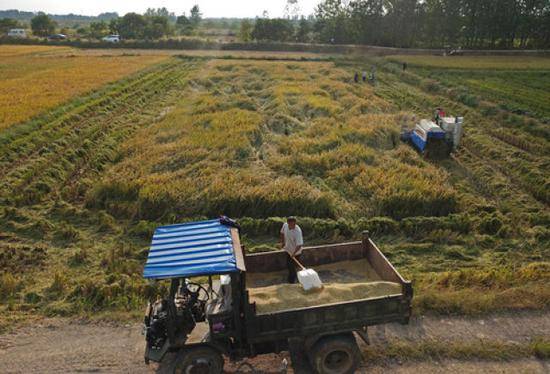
(289, 296)
(343, 281)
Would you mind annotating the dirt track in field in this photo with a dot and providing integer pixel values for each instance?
(68, 346)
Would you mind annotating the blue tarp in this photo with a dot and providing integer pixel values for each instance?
(190, 249)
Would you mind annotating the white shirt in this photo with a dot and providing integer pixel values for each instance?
(293, 239)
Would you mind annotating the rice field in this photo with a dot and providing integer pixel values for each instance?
(37, 78)
(175, 138)
(517, 84)
(288, 139)
(20, 50)
(476, 62)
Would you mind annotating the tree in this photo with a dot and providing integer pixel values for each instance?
(157, 27)
(541, 29)
(367, 21)
(245, 31)
(402, 19)
(6, 24)
(114, 25)
(332, 22)
(183, 24)
(132, 26)
(276, 29)
(42, 25)
(292, 9)
(452, 21)
(98, 29)
(82, 31)
(161, 12)
(303, 31)
(196, 16)
(107, 16)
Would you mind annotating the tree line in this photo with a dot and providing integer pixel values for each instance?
(153, 24)
(415, 23)
(435, 23)
(471, 24)
(278, 30)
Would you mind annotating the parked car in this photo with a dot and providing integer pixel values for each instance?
(57, 37)
(111, 38)
(17, 33)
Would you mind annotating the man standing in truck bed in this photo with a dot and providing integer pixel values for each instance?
(292, 242)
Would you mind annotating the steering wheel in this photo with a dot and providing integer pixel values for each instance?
(195, 290)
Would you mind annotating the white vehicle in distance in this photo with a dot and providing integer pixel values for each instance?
(111, 38)
(17, 33)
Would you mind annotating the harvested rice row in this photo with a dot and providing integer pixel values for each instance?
(26, 139)
(92, 132)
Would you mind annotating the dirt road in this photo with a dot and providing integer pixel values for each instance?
(65, 346)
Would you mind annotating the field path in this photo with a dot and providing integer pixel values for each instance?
(62, 345)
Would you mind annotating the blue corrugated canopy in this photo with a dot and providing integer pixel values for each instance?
(191, 249)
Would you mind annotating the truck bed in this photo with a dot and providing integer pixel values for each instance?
(342, 281)
(353, 314)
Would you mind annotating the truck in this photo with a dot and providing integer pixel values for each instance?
(207, 312)
(114, 38)
(17, 33)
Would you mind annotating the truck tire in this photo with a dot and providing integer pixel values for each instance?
(336, 354)
(199, 360)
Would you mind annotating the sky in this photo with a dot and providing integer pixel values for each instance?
(209, 8)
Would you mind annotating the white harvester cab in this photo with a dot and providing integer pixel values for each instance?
(453, 129)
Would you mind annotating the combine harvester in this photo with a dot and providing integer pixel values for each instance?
(437, 138)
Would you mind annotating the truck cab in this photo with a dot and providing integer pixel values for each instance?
(210, 312)
(203, 262)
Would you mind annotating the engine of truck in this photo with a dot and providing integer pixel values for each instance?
(176, 316)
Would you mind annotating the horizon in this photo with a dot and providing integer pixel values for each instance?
(209, 8)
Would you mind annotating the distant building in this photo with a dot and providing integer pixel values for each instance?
(17, 33)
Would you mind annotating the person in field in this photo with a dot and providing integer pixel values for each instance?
(292, 242)
(439, 113)
(356, 77)
(364, 76)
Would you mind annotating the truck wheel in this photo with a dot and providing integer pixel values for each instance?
(337, 354)
(199, 360)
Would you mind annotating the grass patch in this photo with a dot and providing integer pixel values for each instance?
(478, 291)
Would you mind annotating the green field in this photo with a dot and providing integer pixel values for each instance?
(518, 85)
(85, 183)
